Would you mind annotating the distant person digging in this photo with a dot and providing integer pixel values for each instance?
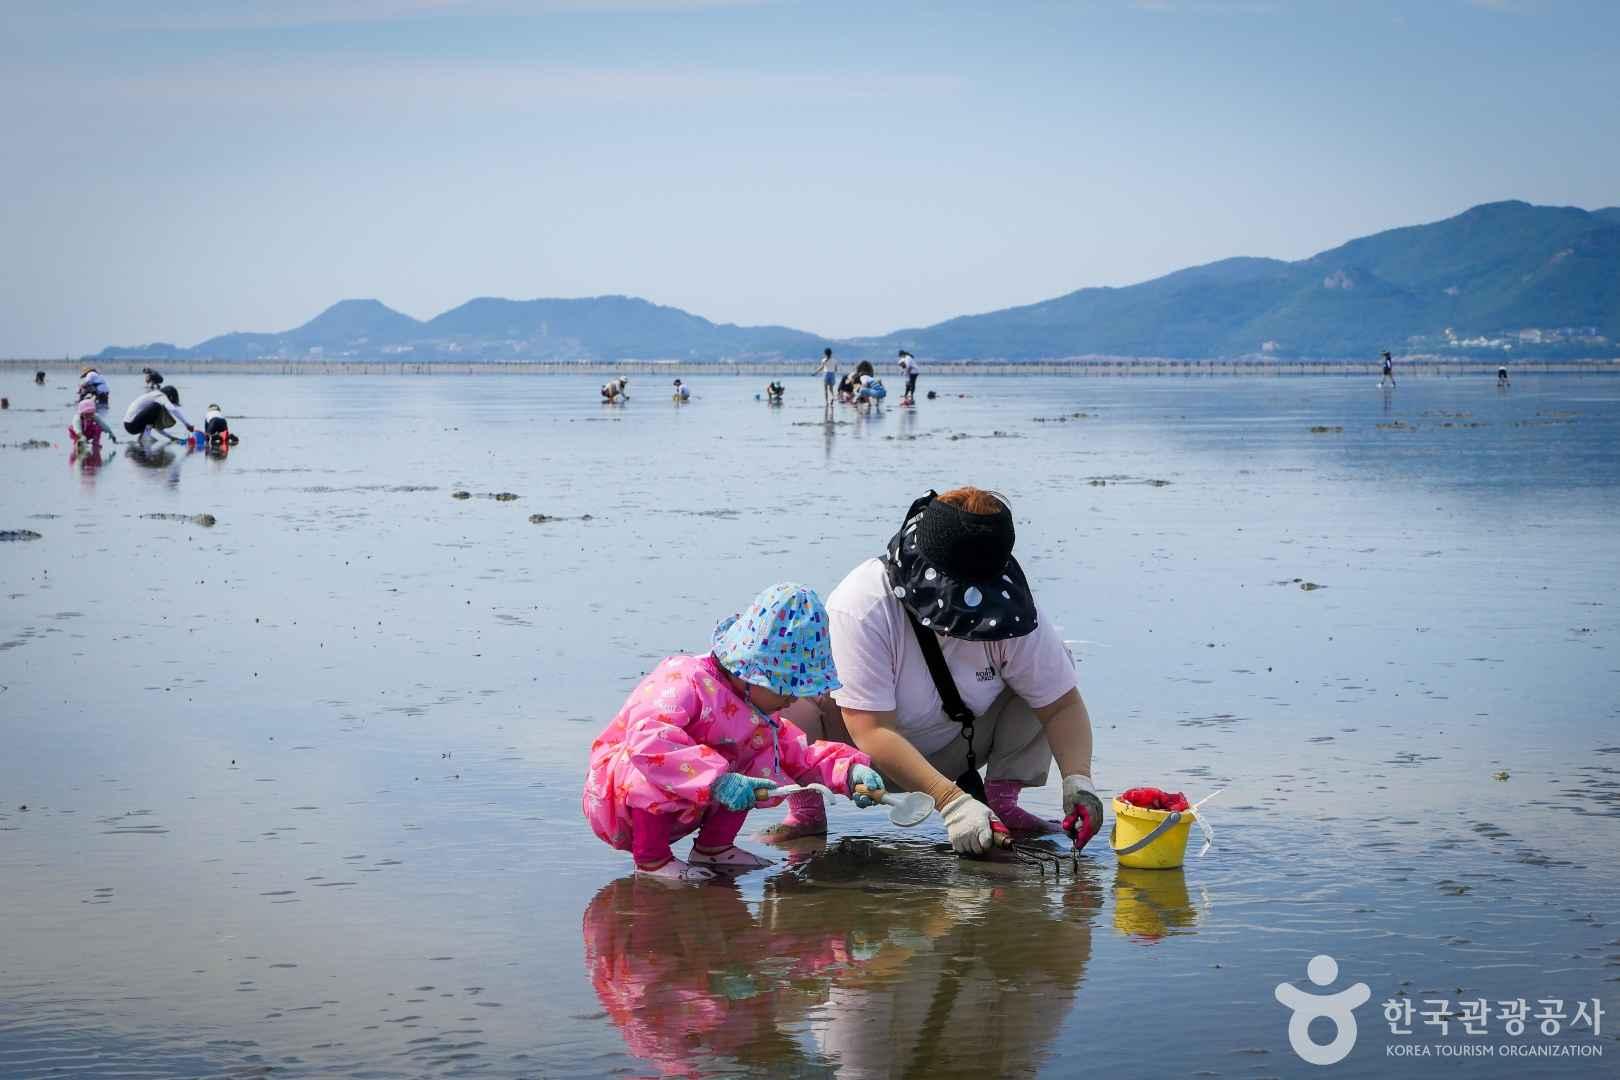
(92, 380)
(218, 429)
(89, 429)
(615, 391)
(1502, 377)
(156, 411)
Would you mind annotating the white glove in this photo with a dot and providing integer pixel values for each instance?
(967, 822)
(1073, 785)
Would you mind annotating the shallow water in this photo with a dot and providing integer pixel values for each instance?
(302, 786)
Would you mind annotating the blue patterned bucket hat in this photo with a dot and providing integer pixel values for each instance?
(780, 642)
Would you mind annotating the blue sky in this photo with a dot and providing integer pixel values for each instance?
(179, 168)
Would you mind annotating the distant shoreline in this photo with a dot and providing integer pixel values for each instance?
(1102, 367)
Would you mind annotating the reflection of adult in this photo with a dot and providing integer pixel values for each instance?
(949, 583)
(936, 985)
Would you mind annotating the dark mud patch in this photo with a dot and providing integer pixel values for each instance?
(207, 521)
(1305, 586)
(28, 444)
(960, 435)
(1323, 429)
(1062, 419)
(323, 489)
(1117, 480)
(1396, 425)
(547, 519)
(498, 496)
(14, 535)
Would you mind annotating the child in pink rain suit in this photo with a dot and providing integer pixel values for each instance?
(698, 744)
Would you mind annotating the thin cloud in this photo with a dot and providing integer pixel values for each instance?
(392, 83)
(249, 15)
(1210, 7)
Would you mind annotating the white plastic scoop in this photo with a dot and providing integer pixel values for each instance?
(911, 808)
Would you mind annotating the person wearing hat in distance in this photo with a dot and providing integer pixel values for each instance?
(700, 741)
(681, 392)
(950, 571)
(908, 368)
(616, 390)
(91, 379)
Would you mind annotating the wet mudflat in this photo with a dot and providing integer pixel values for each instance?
(301, 787)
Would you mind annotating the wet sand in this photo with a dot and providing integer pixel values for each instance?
(301, 786)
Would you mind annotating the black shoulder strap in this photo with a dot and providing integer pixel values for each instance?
(955, 708)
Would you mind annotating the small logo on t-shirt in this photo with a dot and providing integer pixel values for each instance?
(986, 674)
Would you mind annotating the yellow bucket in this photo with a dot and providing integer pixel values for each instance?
(1150, 839)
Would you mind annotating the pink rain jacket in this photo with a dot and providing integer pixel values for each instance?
(680, 730)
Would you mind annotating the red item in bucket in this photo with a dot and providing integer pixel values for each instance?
(1151, 798)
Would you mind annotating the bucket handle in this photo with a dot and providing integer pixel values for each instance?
(1158, 830)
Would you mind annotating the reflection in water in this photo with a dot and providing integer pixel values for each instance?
(866, 959)
(158, 457)
(150, 456)
(86, 456)
(908, 422)
(1149, 904)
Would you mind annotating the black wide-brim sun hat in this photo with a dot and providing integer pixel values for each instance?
(954, 572)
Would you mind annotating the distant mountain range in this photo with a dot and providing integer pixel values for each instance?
(1504, 277)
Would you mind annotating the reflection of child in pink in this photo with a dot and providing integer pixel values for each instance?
(679, 973)
(698, 744)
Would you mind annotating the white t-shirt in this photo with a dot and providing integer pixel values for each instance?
(882, 666)
(908, 365)
(154, 397)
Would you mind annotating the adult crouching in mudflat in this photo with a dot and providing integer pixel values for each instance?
(156, 410)
(948, 667)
